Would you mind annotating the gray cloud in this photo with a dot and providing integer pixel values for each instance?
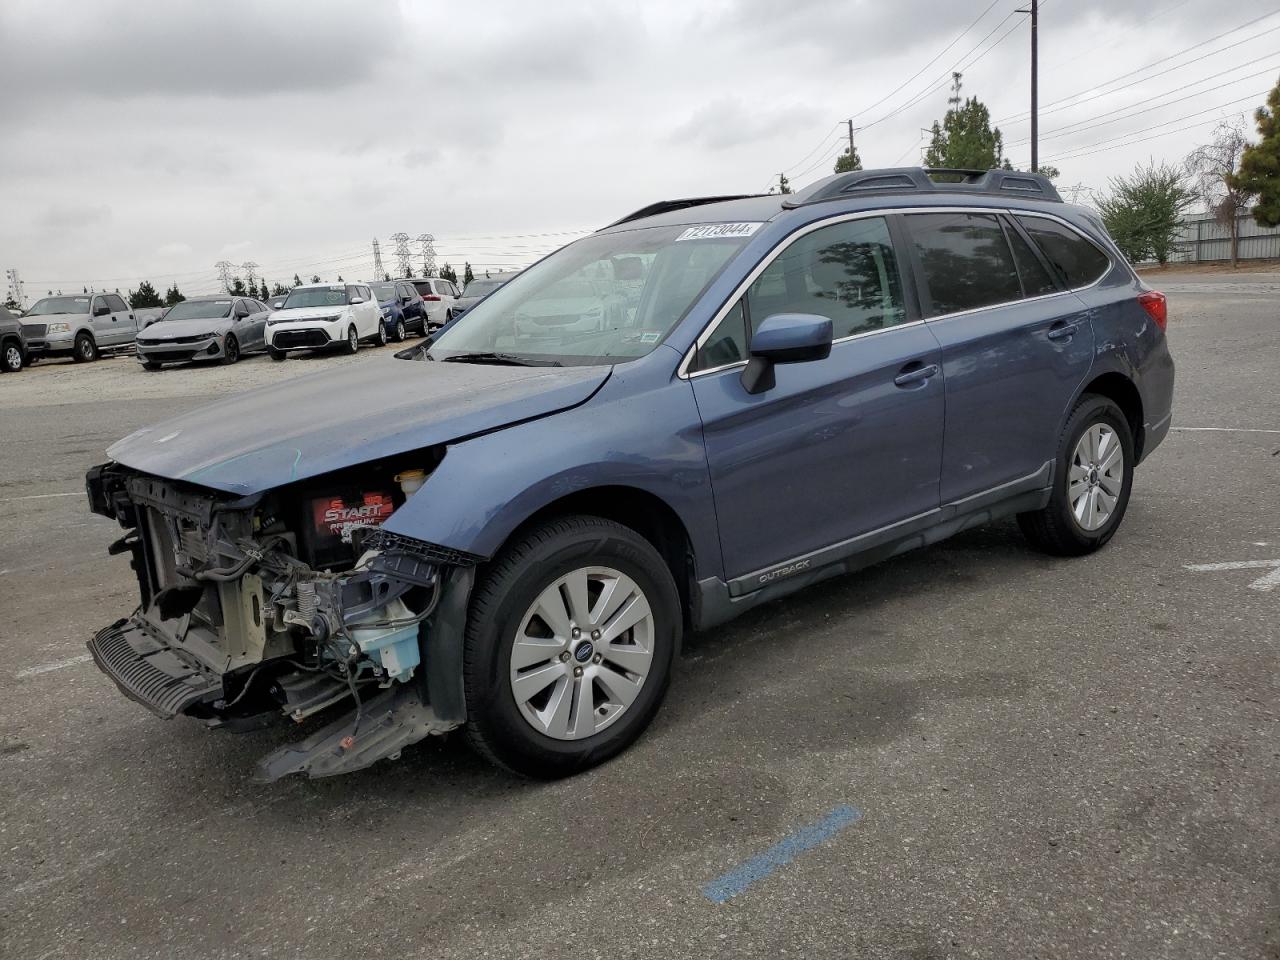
(67, 216)
(729, 122)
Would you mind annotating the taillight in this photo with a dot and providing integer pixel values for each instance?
(430, 297)
(1154, 302)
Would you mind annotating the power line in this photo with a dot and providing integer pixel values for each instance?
(1061, 103)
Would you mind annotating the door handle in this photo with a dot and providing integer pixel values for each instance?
(915, 373)
(1062, 330)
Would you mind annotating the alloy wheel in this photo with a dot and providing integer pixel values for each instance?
(12, 358)
(582, 653)
(1095, 477)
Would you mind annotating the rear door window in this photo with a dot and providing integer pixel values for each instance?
(965, 260)
(1077, 261)
(116, 304)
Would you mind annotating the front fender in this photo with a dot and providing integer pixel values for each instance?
(641, 430)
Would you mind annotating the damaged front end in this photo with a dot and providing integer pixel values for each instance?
(288, 604)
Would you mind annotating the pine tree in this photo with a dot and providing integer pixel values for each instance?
(965, 138)
(145, 296)
(315, 278)
(849, 161)
(237, 286)
(467, 275)
(279, 290)
(448, 273)
(297, 282)
(1260, 165)
(173, 295)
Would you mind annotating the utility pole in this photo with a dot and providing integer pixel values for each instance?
(250, 272)
(378, 271)
(850, 123)
(1034, 10)
(428, 241)
(401, 241)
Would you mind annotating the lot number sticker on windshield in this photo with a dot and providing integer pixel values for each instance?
(711, 231)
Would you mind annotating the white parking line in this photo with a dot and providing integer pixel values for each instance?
(1266, 583)
(41, 496)
(1223, 430)
(50, 667)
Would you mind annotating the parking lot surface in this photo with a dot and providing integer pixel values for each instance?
(969, 751)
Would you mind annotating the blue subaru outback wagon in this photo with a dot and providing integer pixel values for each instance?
(707, 405)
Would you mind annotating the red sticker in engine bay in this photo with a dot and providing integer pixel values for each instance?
(338, 516)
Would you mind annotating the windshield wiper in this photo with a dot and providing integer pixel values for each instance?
(510, 359)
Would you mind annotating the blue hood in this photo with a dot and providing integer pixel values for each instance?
(338, 418)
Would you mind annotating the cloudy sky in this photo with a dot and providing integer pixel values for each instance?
(153, 138)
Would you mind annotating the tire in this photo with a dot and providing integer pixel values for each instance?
(230, 350)
(506, 731)
(402, 334)
(380, 338)
(353, 341)
(275, 354)
(448, 317)
(86, 350)
(1077, 519)
(10, 358)
(150, 366)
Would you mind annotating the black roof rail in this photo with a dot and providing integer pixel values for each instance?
(925, 180)
(666, 206)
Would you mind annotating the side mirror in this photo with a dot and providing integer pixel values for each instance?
(355, 300)
(241, 313)
(785, 338)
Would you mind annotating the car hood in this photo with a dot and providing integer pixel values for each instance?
(169, 329)
(294, 314)
(339, 418)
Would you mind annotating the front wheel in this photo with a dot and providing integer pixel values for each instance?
(275, 354)
(230, 350)
(402, 333)
(380, 338)
(11, 358)
(568, 648)
(353, 341)
(1092, 479)
(85, 349)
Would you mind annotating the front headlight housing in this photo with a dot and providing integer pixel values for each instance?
(58, 328)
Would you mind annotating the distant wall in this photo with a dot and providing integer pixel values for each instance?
(1203, 239)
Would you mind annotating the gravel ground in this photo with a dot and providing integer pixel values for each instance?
(969, 751)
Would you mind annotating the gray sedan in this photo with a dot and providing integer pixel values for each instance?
(221, 328)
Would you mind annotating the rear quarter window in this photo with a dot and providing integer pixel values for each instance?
(1077, 261)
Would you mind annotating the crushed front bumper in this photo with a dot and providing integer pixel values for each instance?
(148, 670)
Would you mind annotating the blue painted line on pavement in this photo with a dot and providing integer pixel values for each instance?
(780, 854)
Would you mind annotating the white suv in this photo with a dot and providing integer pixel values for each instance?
(322, 315)
(439, 299)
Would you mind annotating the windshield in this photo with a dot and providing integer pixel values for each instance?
(52, 305)
(481, 288)
(199, 310)
(605, 298)
(384, 291)
(315, 297)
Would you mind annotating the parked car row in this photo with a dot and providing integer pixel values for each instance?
(225, 327)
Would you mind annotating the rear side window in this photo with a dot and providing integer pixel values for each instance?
(1036, 281)
(115, 303)
(424, 288)
(965, 260)
(1077, 261)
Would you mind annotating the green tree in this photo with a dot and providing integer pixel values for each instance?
(848, 161)
(173, 295)
(1259, 174)
(448, 273)
(1143, 212)
(145, 296)
(467, 275)
(315, 278)
(12, 304)
(237, 286)
(297, 281)
(965, 138)
(279, 290)
(784, 185)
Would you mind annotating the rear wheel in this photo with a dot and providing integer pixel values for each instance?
(275, 354)
(11, 358)
(85, 349)
(1092, 480)
(353, 341)
(401, 333)
(230, 350)
(380, 338)
(569, 646)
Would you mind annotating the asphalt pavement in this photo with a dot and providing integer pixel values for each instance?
(969, 751)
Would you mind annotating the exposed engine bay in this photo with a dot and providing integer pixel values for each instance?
(286, 604)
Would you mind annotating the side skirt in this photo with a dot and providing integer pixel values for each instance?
(718, 601)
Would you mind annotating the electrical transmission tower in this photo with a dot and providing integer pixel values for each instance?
(402, 253)
(15, 288)
(250, 272)
(224, 273)
(378, 271)
(428, 254)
